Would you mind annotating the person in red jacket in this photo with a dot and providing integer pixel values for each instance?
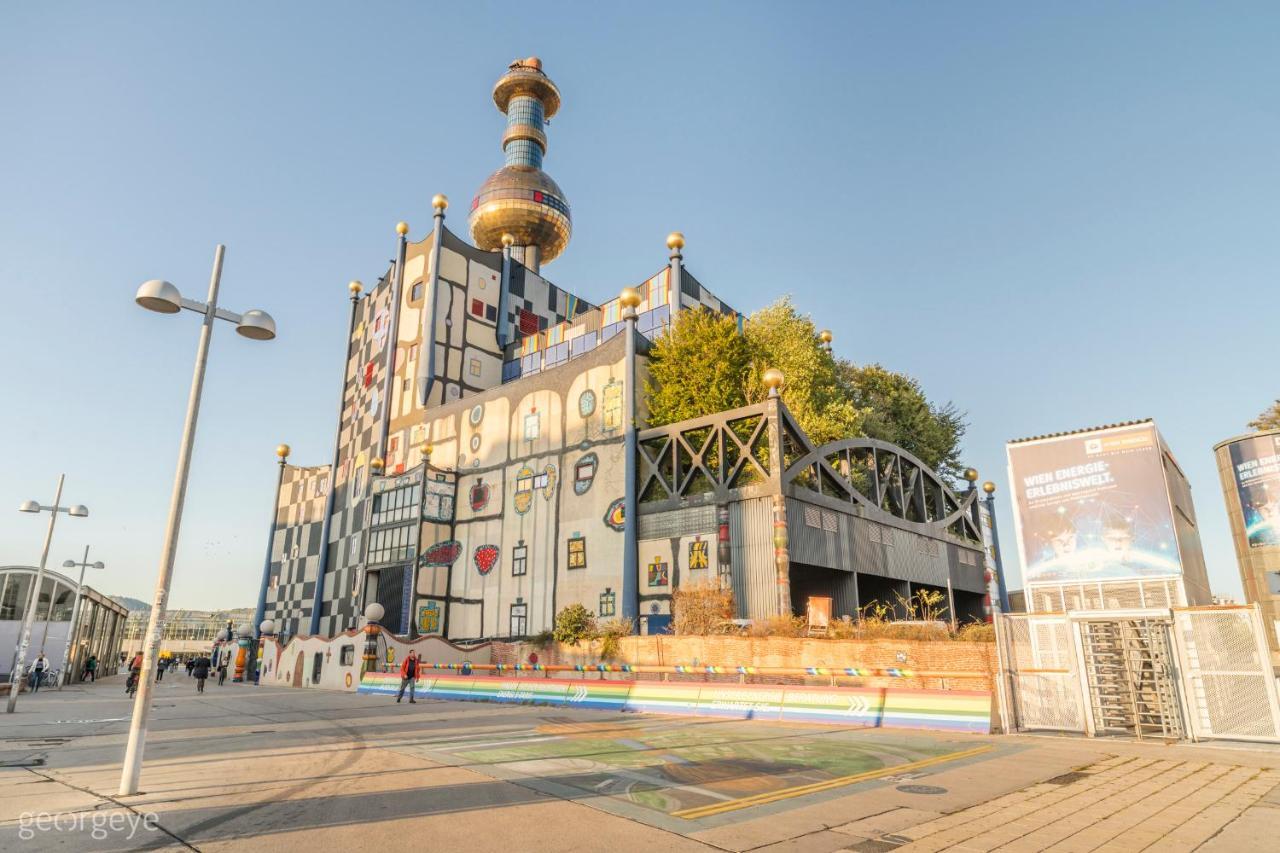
(408, 677)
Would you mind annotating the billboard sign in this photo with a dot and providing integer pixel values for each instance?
(1255, 464)
(1093, 506)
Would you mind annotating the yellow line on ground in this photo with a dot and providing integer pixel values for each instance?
(801, 790)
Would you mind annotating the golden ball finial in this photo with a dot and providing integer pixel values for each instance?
(440, 201)
(675, 240)
(534, 62)
(508, 240)
(355, 287)
(971, 474)
(825, 336)
(376, 464)
(282, 451)
(402, 228)
(773, 379)
(989, 487)
(629, 297)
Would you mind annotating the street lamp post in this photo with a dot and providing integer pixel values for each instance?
(630, 299)
(74, 630)
(163, 297)
(20, 652)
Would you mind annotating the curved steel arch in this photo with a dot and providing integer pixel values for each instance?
(887, 481)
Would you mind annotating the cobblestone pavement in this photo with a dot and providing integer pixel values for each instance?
(1125, 803)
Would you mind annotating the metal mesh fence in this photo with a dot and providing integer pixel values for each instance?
(1230, 690)
(1040, 661)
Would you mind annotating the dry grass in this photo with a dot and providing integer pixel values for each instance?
(701, 609)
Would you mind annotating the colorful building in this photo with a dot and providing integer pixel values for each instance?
(492, 435)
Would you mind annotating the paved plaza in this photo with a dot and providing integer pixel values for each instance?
(263, 768)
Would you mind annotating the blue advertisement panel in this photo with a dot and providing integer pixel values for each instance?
(1094, 506)
(1255, 462)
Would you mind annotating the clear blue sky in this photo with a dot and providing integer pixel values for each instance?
(1056, 217)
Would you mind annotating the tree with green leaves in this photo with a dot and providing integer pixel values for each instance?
(704, 365)
(1269, 419)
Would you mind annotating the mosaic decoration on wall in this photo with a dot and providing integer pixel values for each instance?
(441, 554)
(587, 403)
(550, 475)
(477, 413)
(429, 618)
(584, 472)
(437, 501)
(479, 495)
(578, 552)
(659, 573)
(699, 553)
(475, 442)
(611, 406)
(608, 603)
(486, 557)
(523, 495)
(614, 515)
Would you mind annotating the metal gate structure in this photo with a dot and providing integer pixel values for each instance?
(1190, 673)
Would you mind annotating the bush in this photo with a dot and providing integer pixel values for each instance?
(542, 640)
(610, 633)
(702, 609)
(574, 624)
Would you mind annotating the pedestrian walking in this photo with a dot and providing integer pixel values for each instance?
(160, 665)
(191, 664)
(200, 668)
(37, 672)
(409, 677)
(222, 670)
(91, 668)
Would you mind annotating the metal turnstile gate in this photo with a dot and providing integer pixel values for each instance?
(1129, 672)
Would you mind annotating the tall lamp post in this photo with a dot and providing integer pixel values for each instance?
(1002, 587)
(33, 601)
(630, 300)
(74, 630)
(163, 297)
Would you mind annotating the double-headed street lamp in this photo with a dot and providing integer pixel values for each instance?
(161, 296)
(74, 628)
(20, 652)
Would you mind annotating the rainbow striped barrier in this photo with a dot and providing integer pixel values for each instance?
(940, 710)
(684, 669)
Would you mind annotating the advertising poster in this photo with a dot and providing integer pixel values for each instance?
(1093, 506)
(1256, 465)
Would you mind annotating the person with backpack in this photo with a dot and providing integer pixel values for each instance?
(91, 668)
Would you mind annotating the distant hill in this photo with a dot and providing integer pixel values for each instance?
(130, 603)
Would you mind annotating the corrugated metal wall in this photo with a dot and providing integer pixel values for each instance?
(836, 540)
(755, 579)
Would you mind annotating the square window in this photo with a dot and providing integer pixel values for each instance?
(491, 313)
(347, 656)
(578, 552)
(531, 427)
(477, 307)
